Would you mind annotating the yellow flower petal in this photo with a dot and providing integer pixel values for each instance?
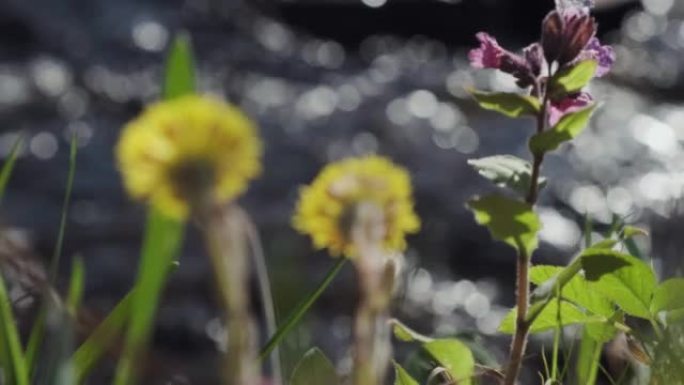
(340, 186)
(174, 147)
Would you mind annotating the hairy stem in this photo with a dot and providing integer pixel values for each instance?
(376, 271)
(522, 326)
(227, 242)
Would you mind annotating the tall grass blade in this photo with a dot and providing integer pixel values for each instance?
(268, 304)
(57, 253)
(11, 357)
(38, 329)
(55, 366)
(179, 76)
(76, 286)
(8, 166)
(301, 309)
(107, 333)
(105, 336)
(12, 360)
(163, 237)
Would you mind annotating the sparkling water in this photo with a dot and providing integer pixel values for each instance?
(565, 4)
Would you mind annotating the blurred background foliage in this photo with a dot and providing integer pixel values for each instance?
(326, 79)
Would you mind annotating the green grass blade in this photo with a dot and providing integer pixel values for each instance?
(57, 253)
(163, 237)
(76, 286)
(8, 166)
(103, 337)
(263, 279)
(11, 356)
(54, 366)
(38, 329)
(301, 309)
(13, 363)
(179, 76)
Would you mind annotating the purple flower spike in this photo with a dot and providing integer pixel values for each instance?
(603, 54)
(573, 103)
(488, 55)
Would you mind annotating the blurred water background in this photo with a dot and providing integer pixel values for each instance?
(327, 79)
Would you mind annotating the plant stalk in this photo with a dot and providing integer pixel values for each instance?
(523, 270)
(376, 271)
(227, 243)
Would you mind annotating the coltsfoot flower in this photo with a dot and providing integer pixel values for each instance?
(326, 206)
(188, 151)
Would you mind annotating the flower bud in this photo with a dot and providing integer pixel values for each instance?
(566, 33)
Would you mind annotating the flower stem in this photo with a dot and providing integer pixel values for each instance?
(227, 243)
(522, 327)
(375, 271)
(267, 301)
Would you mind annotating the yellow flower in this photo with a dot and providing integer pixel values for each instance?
(180, 152)
(324, 205)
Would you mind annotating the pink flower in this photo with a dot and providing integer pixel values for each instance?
(603, 54)
(488, 55)
(534, 55)
(491, 55)
(573, 103)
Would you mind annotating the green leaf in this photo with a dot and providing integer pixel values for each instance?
(406, 334)
(577, 290)
(668, 296)
(401, 376)
(103, 338)
(8, 166)
(163, 237)
(632, 231)
(599, 262)
(674, 316)
(454, 356)
(179, 75)
(566, 129)
(510, 104)
(12, 361)
(314, 368)
(506, 171)
(604, 244)
(548, 318)
(508, 220)
(625, 280)
(572, 79)
(605, 331)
